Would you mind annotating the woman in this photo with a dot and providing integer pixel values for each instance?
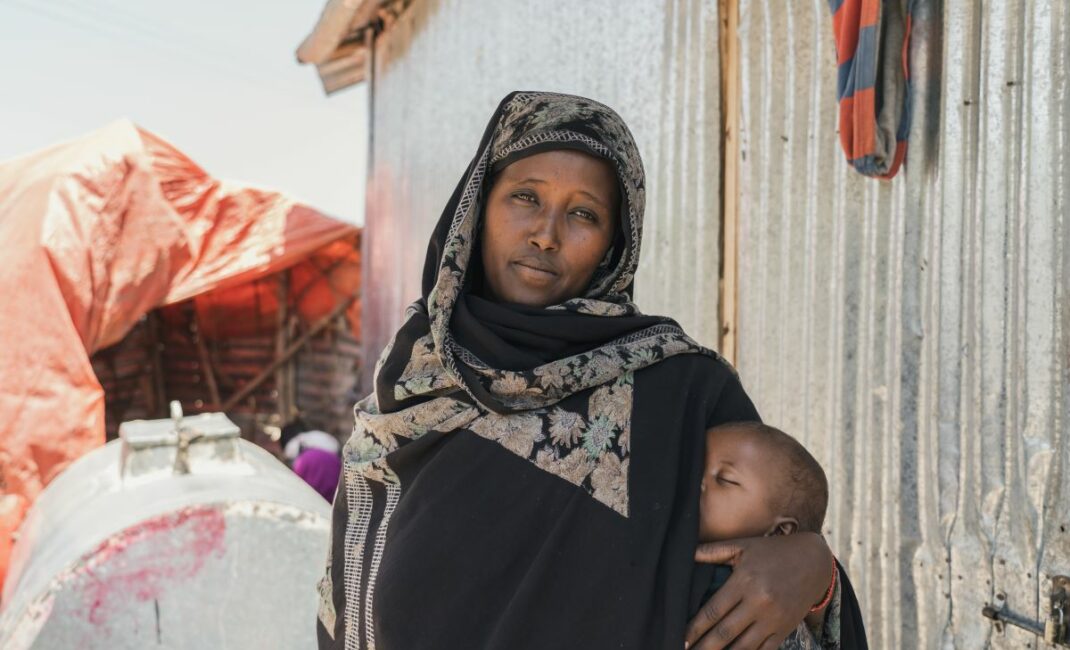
(526, 473)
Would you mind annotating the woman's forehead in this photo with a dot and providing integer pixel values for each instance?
(561, 164)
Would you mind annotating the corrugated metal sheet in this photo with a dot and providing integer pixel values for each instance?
(443, 67)
(916, 334)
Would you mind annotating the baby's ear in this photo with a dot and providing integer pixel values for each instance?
(783, 526)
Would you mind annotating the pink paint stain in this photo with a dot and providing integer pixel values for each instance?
(144, 560)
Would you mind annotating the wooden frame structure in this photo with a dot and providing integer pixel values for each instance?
(730, 150)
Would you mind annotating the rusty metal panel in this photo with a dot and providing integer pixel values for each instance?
(440, 70)
(915, 334)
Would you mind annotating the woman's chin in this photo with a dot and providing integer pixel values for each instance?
(537, 303)
(529, 297)
(534, 291)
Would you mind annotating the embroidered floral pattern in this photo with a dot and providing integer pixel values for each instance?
(518, 432)
(588, 451)
(566, 427)
(423, 374)
(610, 482)
(574, 467)
(554, 381)
(325, 589)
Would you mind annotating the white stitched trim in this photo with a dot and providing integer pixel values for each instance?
(553, 136)
(471, 190)
(393, 493)
(360, 503)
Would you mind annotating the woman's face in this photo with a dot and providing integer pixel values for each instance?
(549, 221)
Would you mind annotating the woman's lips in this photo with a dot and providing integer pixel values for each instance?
(534, 272)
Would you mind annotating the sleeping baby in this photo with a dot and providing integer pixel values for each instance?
(760, 481)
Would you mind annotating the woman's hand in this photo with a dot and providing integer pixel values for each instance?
(774, 583)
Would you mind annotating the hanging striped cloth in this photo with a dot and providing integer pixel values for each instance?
(873, 86)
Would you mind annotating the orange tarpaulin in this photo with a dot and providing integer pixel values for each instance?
(96, 232)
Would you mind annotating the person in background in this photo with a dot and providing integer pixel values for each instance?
(313, 455)
(320, 469)
(297, 435)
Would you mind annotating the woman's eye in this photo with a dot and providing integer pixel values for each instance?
(723, 481)
(587, 215)
(526, 197)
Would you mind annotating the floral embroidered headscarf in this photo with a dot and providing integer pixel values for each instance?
(527, 123)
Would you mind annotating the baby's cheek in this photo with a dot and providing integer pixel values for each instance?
(707, 516)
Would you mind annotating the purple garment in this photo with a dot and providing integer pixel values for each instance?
(320, 469)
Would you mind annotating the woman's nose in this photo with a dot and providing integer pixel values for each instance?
(545, 233)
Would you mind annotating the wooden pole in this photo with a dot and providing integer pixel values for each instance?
(206, 364)
(290, 351)
(159, 397)
(730, 112)
(282, 337)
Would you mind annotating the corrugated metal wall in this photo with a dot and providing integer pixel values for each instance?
(442, 68)
(916, 334)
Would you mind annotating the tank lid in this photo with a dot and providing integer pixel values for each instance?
(152, 448)
(140, 434)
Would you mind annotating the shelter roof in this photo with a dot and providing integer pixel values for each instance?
(97, 232)
(338, 44)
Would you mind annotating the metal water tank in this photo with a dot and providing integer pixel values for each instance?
(177, 535)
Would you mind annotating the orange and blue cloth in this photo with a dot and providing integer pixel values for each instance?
(873, 85)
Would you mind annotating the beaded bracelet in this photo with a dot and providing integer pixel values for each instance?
(828, 595)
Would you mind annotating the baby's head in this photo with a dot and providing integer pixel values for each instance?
(759, 481)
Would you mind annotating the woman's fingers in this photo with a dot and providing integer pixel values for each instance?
(712, 614)
(743, 628)
(755, 637)
(722, 636)
(773, 583)
(718, 552)
(771, 643)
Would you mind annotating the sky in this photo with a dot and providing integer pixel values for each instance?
(216, 78)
